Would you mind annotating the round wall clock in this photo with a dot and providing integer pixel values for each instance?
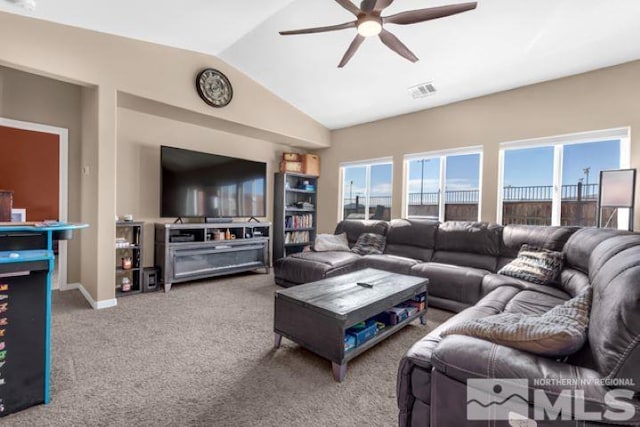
(214, 87)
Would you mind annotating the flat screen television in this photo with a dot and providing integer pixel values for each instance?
(195, 184)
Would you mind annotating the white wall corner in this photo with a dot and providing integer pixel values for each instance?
(96, 305)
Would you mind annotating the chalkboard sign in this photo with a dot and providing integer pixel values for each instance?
(23, 292)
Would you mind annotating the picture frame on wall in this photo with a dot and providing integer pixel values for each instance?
(18, 215)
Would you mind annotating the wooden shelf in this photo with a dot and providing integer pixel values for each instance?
(290, 192)
(133, 233)
(122, 270)
(299, 210)
(299, 190)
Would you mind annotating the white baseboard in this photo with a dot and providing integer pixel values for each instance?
(97, 305)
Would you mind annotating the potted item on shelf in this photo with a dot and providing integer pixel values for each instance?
(125, 284)
(127, 263)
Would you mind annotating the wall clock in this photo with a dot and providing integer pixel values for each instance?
(214, 87)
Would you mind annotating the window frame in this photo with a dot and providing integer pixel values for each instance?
(558, 142)
(442, 155)
(367, 164)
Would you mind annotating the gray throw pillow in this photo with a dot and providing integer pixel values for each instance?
(540, 266)
(560, 331)
(370, 244)
(331, 242)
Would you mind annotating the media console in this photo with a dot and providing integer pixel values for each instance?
(185, 252)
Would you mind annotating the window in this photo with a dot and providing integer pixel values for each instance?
(366, 190)
(581, 166)
(456, 175)
(555, 181)
(528, 185)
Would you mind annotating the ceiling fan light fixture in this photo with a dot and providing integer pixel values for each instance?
(369, 27)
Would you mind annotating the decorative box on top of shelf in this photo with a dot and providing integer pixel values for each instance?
(129, 257)
(294, 213)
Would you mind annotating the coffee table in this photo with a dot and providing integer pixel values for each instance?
(316, 315)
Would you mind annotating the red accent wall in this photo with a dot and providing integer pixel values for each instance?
(29, 166)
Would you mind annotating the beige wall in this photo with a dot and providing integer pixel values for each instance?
(140, 136)
(31, 98)
(602, 99)
(151, 71)
(109, 67)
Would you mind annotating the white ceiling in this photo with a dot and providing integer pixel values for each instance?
(501, 45)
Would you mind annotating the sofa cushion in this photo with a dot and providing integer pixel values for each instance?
(452, 282)
(493, 281)
(535, 265)
(466, 259)
(558, 332)
(573, 282)
(369, 244)
(331, 242)
(411, 238)
(396, 264)
(533, 303)
(462, 358)
(614, 332)
(354, 228)
(583, 242)
(551, 238)
(331, 258)
(494, 303)
(305, 267)
(474, 237)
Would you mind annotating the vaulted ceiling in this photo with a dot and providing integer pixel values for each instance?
(501, 45)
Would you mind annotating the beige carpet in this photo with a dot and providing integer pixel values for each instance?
(202, 355)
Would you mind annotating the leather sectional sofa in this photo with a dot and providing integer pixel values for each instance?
(461, 260)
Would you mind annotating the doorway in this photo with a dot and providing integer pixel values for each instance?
(34, 163)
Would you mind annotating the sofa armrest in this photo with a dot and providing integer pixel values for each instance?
(462, 358)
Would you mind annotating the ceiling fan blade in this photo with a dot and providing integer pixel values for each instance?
(421, 15)
(397, 46)
(355, 44)
(367, 5)
(319, 29)
(349, 6)
(382, 4)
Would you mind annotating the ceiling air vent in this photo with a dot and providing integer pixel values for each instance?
(422, 90)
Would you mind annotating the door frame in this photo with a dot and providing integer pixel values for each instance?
(63, 209)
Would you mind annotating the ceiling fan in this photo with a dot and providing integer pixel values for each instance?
(370, 23)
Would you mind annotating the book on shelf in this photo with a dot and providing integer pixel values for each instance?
(296, 237)
(298, 221)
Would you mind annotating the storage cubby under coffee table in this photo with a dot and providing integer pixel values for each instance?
(318, 315)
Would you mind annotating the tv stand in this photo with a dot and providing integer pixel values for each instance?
(216, 220)
(192, 251)
(178, 220)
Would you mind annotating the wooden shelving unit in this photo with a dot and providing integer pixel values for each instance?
(295, 219)
(132, 232)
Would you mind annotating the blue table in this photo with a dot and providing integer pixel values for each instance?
(26, 268)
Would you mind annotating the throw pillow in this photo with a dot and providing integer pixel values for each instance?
(535, 265)
(560, 331)
(370, 244)
(331, 242)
